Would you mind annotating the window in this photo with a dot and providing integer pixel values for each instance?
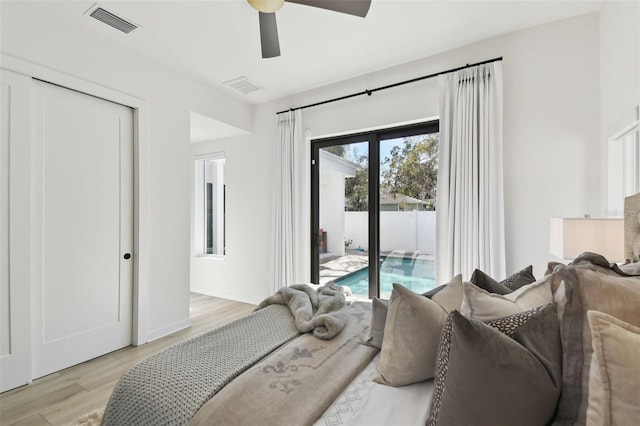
(624, 161)
(209, 230)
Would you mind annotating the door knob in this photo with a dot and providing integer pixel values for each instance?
(127, 256)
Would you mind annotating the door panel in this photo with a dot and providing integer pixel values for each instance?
(343, 197)
(15, 324)
(83, 226)
(408, 176)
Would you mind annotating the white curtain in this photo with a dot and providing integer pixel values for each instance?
(470, 205)
(290, 249)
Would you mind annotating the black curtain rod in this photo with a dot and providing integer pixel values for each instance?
(401, 83)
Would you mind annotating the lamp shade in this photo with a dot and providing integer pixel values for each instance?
(570, 237)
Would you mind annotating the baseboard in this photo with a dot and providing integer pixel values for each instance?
(227, 295)
(168, 329)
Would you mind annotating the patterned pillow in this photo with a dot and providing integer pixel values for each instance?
(509, 324)
(514, 381)
(514, 282)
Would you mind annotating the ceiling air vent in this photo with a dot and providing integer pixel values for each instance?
(242, 84)
(112, 20)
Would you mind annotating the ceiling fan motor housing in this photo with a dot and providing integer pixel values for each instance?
(266, 6)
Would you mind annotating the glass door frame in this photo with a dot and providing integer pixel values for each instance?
(373, 137)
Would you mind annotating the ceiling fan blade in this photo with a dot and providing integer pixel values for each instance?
(352, 7)
(269, 35)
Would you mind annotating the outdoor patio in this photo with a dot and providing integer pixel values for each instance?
(332, 267)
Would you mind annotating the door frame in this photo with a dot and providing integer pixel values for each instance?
(141, 169)
(373, 137)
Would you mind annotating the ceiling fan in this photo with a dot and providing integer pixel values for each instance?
(267, 14)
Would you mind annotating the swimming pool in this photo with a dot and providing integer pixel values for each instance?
(418, 275)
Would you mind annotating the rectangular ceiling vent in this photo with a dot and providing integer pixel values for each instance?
(112, 20)
(242, 84)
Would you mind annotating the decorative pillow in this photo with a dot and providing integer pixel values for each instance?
(509, 324)
(434, 291)
(379, 309)
(484, 377)
(450, 297)
(588, 286)
(411, 336)
(631, 268)
(484, 306)
(514, 282)
(614, 376)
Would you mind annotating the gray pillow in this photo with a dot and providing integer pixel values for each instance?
(591, 284)
(481, 305)
(450, 297)
(434, 291)
(379, 309)
(484, 377)
(411, 336)
(514, 282)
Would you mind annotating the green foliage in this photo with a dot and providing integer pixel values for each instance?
(356, 189)
(412, 169)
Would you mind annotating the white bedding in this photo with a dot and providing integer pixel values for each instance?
(366, 403)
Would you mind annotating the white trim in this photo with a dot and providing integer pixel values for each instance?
(198, 206)
(168, 329)
(32, 69)
(218, 155)
(375, 128)
(28, 68)
(252, 300)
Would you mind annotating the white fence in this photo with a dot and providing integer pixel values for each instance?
(413, 230)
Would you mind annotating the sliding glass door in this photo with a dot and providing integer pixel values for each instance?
(373, 203)
(408, 178)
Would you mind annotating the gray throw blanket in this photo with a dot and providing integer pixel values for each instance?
(170, 387)
(322, 311)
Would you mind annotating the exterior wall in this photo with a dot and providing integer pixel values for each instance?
(332, 212)
(412, 230)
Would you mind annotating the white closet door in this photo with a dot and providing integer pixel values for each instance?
(82, 224)
(15, 324)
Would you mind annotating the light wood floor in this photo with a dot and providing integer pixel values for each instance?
(62, 397)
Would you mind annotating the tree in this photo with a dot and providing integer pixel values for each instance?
(412, 169)
(356, 189)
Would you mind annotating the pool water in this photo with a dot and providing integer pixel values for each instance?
(418, 275)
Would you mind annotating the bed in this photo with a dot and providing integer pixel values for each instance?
(560, 349)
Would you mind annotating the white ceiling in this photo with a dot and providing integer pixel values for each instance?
(218, 40)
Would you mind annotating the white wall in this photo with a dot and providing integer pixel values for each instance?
(619, 70)
(401, 230)
(552, 157)
(80, 57)
(332, 214)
